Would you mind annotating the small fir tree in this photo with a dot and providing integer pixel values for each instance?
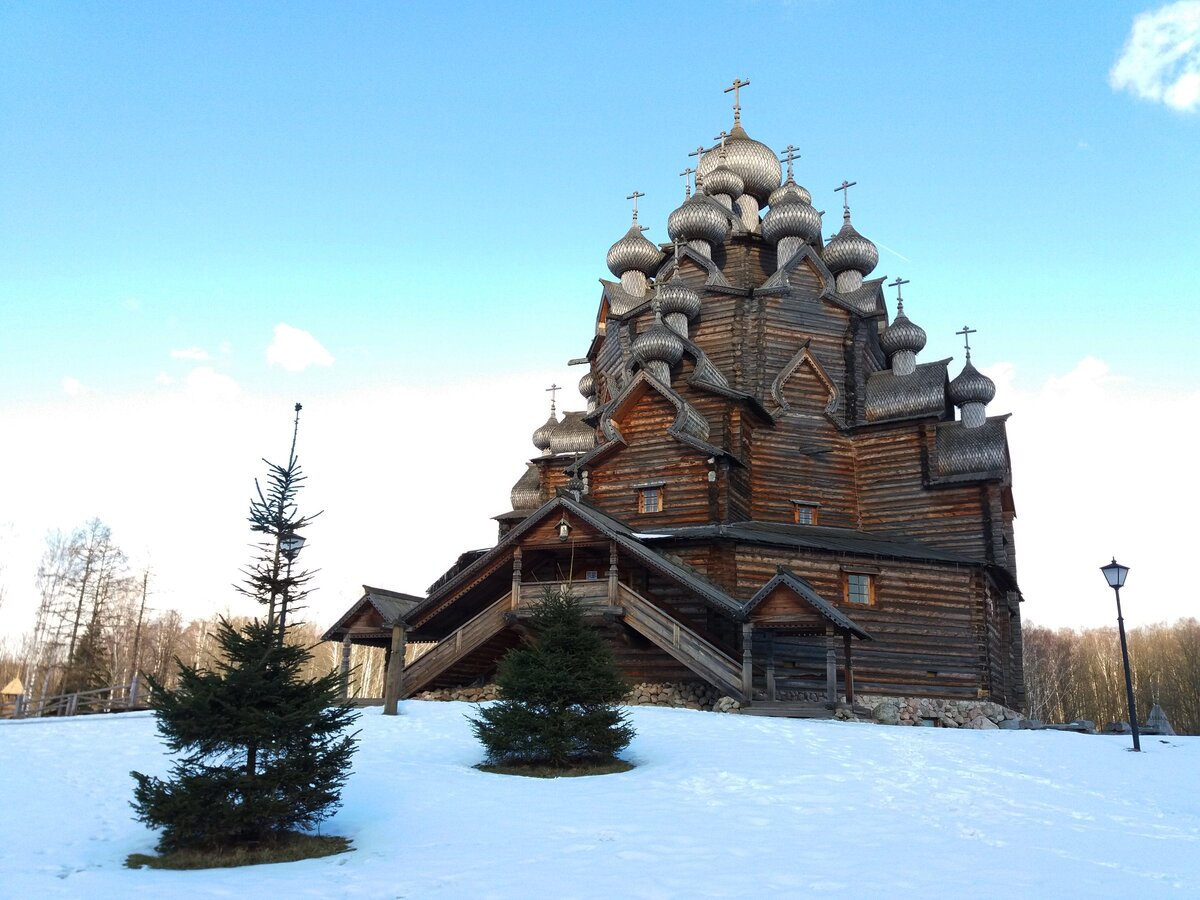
(261, 751)
(558, 697)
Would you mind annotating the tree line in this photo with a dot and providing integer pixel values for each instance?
(95, 625)
(1078, 673)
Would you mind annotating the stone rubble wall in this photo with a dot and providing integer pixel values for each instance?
(979, 714)
(686, 695)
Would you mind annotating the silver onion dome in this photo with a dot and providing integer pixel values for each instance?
(657, 344)
(698, 220)
(902, 334)
(587, 384)
(791, 216)
(527, 492)
(573, 436)
(789, 188)
(849, 250)
(541, 437)
(634, 253)
(971, 386)
(677, 297)
(723, 180)
(754, 162)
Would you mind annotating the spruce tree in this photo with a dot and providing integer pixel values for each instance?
(558, 697)
(261, 752)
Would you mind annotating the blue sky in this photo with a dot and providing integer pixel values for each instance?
(425, 193)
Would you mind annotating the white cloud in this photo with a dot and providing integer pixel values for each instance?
(1161, 58)
(73, 387)
(199, 354)
(294, 349)
(205, 383)
(1088, 485)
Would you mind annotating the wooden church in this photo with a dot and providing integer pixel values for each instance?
(767, 491)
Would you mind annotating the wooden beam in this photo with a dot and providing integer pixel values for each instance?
(831, 693)
(748, 661)
(346, 666)
(849, 669)
(393, 678)
(771, 665)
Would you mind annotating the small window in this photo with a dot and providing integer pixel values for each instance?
(859, 588)
(804, 514)
(650, 500)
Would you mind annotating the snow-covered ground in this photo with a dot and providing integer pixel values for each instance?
(718, 806)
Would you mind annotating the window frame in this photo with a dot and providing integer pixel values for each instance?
(848, 574)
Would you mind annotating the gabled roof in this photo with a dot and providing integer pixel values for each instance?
(392, 607)
(794, 582)
(611, 528)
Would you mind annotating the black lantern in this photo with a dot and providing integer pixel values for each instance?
(1114, 574)
(290, 544)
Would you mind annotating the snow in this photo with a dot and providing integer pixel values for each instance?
(718, 806)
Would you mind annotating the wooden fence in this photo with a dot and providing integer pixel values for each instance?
(118, 698)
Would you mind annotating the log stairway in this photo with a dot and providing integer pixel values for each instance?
(671, 636)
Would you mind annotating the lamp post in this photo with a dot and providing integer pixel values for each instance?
(1115, 574)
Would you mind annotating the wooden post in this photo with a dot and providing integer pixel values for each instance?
(516, 579)
(72, 703)
(748, 661)
(393, 679)
(346, 666)
(849, 671)
(831, 694)
(612, 574)
(771, 665)
(19, 713)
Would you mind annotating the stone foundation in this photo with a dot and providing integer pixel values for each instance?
(682, 694)
(979, 714)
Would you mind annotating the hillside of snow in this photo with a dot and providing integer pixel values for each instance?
(718, 806)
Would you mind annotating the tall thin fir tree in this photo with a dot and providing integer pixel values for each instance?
(261, 752)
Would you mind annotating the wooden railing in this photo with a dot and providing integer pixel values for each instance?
(586, 593)
(681, 642)
(455, 646)
(118, 698)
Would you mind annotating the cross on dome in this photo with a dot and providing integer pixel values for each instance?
(737, 85)
(845, 189)
(897, 284)
(634, 197)
(790, 154)
(553, 389)
(966, 332)
(687, 184)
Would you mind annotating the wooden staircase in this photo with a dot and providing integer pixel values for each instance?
(676, 639)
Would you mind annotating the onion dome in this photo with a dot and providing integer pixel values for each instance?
(572, 436)
(657, 344)
(541, 437)
(971, 386)
(634, 253)
(755, 163)
(791, 216)
(698, 220)
(587, 384)
(527, 492)
(677, 297)
(849, 250)
(723, 180)
(789, 189)
(902, 334)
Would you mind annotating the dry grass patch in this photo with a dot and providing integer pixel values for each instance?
(544, 770)
(287, 849)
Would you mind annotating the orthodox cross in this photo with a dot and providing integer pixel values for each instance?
(687, 184)
(737, 85)
(845, 189)
(698, 153)
(791, 153)
(721, 137)
(553, 389)
(899, 293)
(634, 197)
(966, 333)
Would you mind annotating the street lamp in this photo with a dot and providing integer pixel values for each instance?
(1115, 574)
